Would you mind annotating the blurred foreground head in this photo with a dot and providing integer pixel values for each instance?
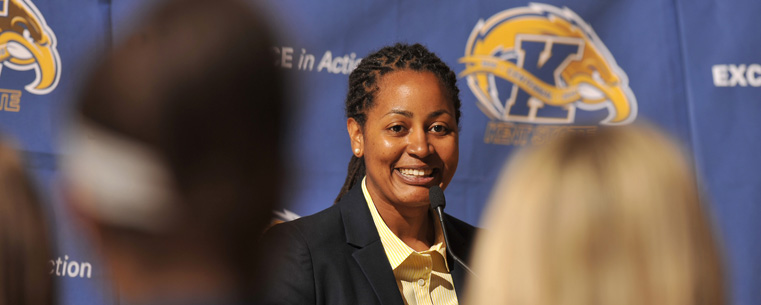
(610, 218)
(173, 153)
(24, 244)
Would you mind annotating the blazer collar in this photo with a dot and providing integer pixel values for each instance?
(358, 223)
(361, 233)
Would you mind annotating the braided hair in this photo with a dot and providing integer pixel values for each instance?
(363, 88)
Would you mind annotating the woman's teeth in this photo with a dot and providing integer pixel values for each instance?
(416, 172)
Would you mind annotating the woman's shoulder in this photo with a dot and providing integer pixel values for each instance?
(328, 222)
(328, 215)
(466, 230)
(307, 228)
(460, 224)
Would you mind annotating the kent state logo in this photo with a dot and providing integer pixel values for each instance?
(27, 43)
(534, 69)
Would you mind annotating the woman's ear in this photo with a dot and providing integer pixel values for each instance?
(356, 136)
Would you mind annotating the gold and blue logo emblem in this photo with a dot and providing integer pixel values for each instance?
(539, 66)
(27, 43)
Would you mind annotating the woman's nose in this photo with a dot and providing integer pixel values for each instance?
(418, 144)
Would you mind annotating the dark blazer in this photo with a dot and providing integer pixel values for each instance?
(336, 257)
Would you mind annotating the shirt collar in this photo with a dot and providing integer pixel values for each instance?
(396, 250)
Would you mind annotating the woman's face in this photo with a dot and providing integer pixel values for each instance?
(410, 139)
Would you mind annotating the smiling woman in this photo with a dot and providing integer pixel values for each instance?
(380, 244)
(409, 141)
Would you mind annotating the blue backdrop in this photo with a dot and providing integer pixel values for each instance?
(527, 71)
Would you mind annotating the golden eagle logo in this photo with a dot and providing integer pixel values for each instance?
(26, 43)
(539, 63)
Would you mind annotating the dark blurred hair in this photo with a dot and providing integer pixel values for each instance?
(363, 88)
(197, 85)
(25, 246)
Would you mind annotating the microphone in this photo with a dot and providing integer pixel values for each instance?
(438, 202)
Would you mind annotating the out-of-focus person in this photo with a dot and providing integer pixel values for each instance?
(609, 218)
(25, 243)
(173, 154)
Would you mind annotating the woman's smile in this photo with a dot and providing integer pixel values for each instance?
(412, 176)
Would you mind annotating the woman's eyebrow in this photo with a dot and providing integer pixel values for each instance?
(401, 112)
(409, 114)
(438, 113)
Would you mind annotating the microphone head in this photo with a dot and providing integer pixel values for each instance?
(436, 196)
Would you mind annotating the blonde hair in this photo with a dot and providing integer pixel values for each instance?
(610, 218)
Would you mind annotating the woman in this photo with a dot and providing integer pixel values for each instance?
(25, 244)
(380, 243)
(611, 218)
(165, 154)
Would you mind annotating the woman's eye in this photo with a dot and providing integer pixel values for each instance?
(439, 129)
(396, 128)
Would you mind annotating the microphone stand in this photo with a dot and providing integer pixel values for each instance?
(440, 213)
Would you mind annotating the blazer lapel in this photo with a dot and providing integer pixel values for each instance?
(361, 233)
(372, 259)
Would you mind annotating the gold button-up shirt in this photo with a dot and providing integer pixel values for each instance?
(422, 277)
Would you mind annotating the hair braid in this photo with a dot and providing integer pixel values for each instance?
(363, 87)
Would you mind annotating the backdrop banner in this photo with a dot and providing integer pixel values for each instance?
(526, 72)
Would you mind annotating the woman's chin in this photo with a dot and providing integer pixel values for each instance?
(413, 199)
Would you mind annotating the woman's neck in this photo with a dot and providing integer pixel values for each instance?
(413, 225)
